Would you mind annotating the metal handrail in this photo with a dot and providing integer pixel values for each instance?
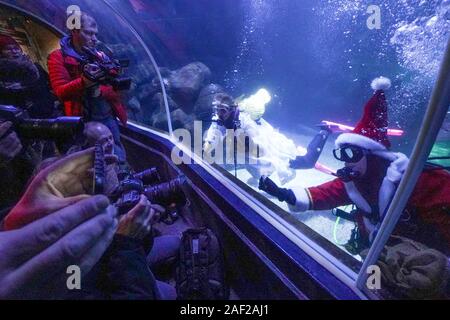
(434, 117)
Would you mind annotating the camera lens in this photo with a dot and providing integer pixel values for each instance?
(50, 129)
(168, 193)
(149, 176)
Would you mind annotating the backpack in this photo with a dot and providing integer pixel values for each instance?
(200, 274)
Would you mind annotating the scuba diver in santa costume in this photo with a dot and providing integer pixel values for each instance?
(369, 180)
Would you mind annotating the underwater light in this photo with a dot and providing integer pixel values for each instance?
(345, 128)
(322, 168)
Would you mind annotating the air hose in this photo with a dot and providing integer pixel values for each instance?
(338, 219)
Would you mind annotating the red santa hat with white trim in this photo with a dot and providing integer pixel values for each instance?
(371, 131)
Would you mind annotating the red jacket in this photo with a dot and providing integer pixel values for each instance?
(430, 200)
(68, 85)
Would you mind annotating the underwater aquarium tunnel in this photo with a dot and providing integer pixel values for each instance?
(314, 136)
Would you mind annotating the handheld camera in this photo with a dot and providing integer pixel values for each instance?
(60, 129)
(148, 182)
(111, 70)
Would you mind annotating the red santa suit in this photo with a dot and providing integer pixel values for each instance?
(429, 203)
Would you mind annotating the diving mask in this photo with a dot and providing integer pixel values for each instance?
(220, 107)
(350, 153)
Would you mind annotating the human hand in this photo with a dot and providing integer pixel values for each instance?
(267, 185)
(10, 145)
(282, 194)
(92, 74)
(35, 258)
(138, 222)
(59, 185)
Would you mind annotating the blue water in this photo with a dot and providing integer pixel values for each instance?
(316, 58)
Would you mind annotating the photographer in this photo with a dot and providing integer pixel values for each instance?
(22, 147)
(122, 272)
(95, 132)
(16, 166)
(23, 83)
(71, 79)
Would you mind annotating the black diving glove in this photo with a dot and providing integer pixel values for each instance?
(282, 194)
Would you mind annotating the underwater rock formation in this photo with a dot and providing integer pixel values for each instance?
(185, 84)
(189, 94)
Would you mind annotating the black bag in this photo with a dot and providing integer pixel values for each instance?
(200, 274)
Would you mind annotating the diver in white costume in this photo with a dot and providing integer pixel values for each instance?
(270, 150)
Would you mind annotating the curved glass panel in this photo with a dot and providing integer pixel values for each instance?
(115, 39)
(300, 74)
(271, 88)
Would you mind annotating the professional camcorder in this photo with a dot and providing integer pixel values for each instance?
(148, 182)
(60, 129)
(111, 70)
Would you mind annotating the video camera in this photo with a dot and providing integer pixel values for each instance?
(111, 69)
(60, 129)
(148, 182)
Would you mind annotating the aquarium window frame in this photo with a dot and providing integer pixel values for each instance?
(435, 114)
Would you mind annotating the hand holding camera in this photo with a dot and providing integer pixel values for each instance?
(59, 129)
(132, 186)
(168, 195)
(137, 223)
(92, 75)
(35, 258)
(100, 69)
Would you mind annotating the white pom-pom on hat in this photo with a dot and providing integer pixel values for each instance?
(381, 83)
